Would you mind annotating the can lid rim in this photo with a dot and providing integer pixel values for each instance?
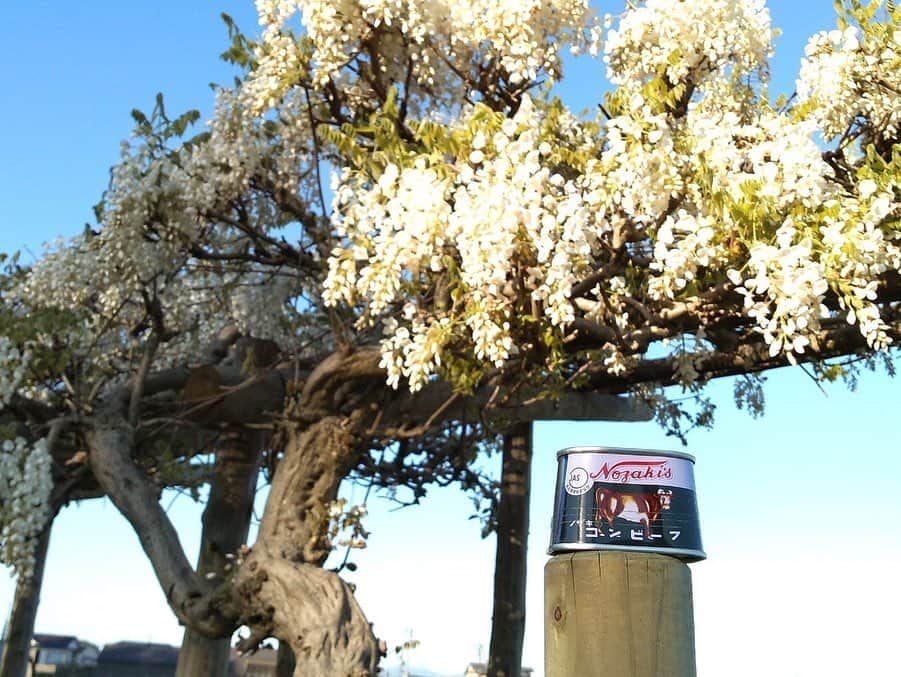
(626, 451)
(687, 555)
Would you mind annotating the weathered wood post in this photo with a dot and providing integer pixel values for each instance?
(618, 597)
(508, 623)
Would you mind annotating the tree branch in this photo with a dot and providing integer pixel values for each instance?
(194, 602)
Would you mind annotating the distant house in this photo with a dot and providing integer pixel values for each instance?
(137, 659)
(62, 654)
(481, 670)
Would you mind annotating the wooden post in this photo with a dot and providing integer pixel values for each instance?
(508, 623)
(610, 613)
(226, 520)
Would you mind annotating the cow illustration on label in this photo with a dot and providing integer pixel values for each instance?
(635, 504)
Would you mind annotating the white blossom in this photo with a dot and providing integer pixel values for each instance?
(510, 209)
(848, 75)
(13, 365)
(474, 245)
(440, 37)
(25, 488)
(682, 39)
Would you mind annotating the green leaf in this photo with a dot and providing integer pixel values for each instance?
(139, 116)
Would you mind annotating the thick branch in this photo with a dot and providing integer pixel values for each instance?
(337, 370)
(111, 441)
(413, 409)
(233, 397)
(747, 359)
(316, 460)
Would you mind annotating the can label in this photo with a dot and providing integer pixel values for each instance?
(626, 500)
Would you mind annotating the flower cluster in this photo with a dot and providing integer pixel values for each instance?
(493, 230)
(785, 294)
(13, 365)
(743, 176)
(786, 282)
(858, 252)
(684, 243)
(440, 38)
(724, 192)
(685, 41)
(851, 77)
(25, 487)
(773, 158)
(689, 352)
(165, 208)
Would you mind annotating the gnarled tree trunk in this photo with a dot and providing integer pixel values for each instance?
(509, 620)
(315, 612)
(16, 651)
(280, 589)
(282, 586)
(226, 520)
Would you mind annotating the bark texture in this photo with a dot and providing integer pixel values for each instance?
(284, 590)
(226, 520)
(16, 652)
(509, 619)
(315, 612)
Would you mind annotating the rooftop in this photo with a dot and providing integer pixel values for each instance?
(138, 653)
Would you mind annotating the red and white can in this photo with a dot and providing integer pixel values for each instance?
(626, 499)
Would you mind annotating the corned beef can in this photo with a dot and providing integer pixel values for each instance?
(626, 499)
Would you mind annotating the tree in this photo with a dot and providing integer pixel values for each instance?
(488, 254)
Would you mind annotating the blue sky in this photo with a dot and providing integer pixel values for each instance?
(798, 508)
